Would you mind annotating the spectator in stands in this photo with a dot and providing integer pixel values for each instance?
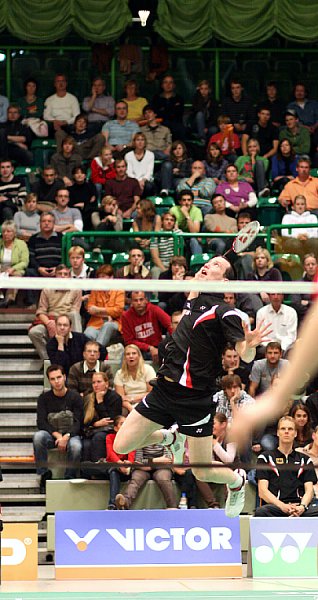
(282, 320)
(263, 270)
(274, 104)
(119, 132)
(301, 415)
(171, 302)
(79, 269)
(162, 248)
(140, 164)
(303, 239)
(226, 138)
(125, 189)
(285, 493)
(215, 164)
(45, 250)
(87, 143)
(134, 102)
(240, 301)
(105, 308)
(232, 397)
(30, 104)
(12, 191)
(66, 347)
(61, 108)
(217, 221)
(65, 160)
(143, 324)
(102, 168)
(239, 195)
(204, 110)
(284, 165)
(83, 196)
(46, 187)
(81, 373)
(303, 184)
(16, 138)
(109, 218)
(157, 135)
(66, 219)
(175, 320)
(139, 476)
(296, 134)
(201, 186)
(51, 304)
(135, 269)
(311, 450)
(132, 381)
(101, 407)
(231, 365)
(14, 259)
(312, 405)
(175, 169)
(146, 220)
(189, 219)
(253, 167)
(302, 302)
(264, 132)
(169, 107)
(99, 106)
(238, 107)
(27, 221)
(4, 105)
(59, 423)
(122, 472)
(266, 369)
(306, 110)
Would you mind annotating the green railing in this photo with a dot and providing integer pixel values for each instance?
(280, 226)
(90, 237)
(215, 54)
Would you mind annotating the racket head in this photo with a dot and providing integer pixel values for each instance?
(245, 237)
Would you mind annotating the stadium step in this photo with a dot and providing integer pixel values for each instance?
(15, 340)
(21, 365)
(20, 391)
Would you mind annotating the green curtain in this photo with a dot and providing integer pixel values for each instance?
(192, 23)
(45, 21)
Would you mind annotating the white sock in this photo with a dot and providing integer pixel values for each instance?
(167, 437)
(237, 483)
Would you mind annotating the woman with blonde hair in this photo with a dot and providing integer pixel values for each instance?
(263, 270)
(134, 102)
(140, 163)
(14, 259)
(132, 380)
(101, 407)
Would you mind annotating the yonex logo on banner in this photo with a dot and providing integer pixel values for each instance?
(284, 547)
(289, 553)
(81, 543)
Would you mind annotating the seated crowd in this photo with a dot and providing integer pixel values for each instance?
(110, 160)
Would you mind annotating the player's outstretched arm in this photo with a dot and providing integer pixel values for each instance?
(303, 364)
(252, 339)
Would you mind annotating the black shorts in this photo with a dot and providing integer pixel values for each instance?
(170, 403)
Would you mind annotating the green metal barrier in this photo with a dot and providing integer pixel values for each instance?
(91, 236)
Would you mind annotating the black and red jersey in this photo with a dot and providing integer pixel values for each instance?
(193, 354)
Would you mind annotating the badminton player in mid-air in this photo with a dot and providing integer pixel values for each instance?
(186, 380)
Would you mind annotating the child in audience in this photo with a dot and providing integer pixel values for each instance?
(122, 472)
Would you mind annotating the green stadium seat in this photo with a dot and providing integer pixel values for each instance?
(29, 174)
(42, 149)
(162, 204)
(198, 260)
(314, 172)
(119, 259)
(269, 210)
(93, 259)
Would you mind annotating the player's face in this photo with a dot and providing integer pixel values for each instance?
(286, 432)
(214, 269)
